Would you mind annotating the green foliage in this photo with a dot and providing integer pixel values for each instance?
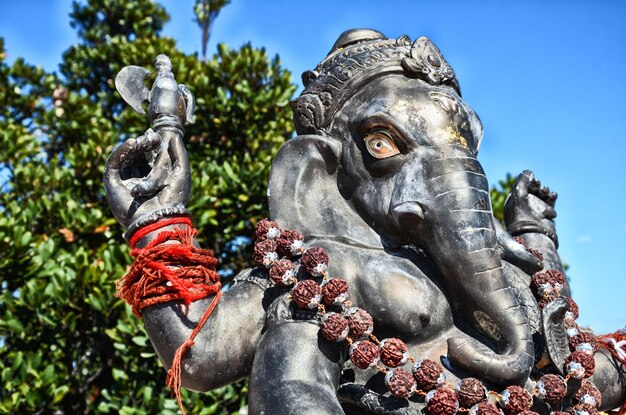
(67, 345)
(498, 195)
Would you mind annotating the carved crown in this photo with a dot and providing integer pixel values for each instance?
(358, 56)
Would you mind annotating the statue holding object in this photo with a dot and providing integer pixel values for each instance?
(393, 206)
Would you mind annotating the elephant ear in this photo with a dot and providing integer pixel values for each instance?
(303, 192)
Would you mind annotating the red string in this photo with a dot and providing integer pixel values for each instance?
(163, 272)
(174, 377)
(178, 220)
(608, 341)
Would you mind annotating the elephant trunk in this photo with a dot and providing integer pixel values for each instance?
(462, 244)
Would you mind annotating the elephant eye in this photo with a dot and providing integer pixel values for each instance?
(380, 145)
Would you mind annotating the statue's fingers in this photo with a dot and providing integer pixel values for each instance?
(522, 183)
(179, 156)
(133, 147)
(181, 170)
(552, 198)
(549, 213)
(149, 141)
(155, 180)
(118, 155)
(115, 185)
(142, 144)
(180, 180)
(112, 172)
(112, 177)
(544, 193)
(117, 194)
(148, 186)
(534, 185)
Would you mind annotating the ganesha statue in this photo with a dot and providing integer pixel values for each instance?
(384, 284)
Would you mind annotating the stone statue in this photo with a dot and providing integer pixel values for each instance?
(383, 176)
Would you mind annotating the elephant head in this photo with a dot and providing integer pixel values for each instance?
(386, 157)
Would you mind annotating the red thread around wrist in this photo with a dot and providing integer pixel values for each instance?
(177, 220)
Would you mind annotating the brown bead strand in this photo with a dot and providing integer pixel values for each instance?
(442, 397)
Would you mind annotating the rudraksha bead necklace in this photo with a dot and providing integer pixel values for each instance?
(282, 252)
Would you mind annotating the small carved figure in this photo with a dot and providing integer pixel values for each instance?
(384, 184)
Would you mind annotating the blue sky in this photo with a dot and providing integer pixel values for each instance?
(548, 80)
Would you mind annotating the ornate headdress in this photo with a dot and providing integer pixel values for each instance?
(357, 57)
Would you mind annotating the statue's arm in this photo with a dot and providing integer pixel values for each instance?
(224, 348)
(295, 370)
(529, 214)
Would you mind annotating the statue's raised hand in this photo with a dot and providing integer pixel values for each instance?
(529, 207)
(137, 189)
(148, 178)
